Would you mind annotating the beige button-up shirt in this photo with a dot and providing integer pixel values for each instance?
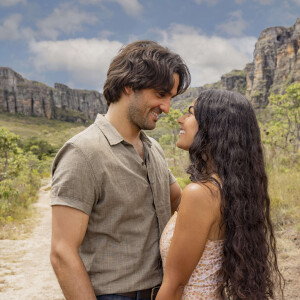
(127, 200)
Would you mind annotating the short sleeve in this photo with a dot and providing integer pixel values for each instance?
(73, 181)
(172, 178)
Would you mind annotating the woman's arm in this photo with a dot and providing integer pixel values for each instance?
(198, 212)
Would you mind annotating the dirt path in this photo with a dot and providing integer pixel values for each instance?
(25, 269)
(26, 273)
(289, 261)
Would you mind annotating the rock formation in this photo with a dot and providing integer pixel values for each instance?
(32, 98)
(276, 65)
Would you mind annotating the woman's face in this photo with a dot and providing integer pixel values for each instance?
(188, 129)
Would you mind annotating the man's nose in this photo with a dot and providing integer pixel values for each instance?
(165, 106)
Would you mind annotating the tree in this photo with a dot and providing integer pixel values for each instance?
(19, 176)
(9, 165)
(170, 122)
(283, 129)
(39, 147)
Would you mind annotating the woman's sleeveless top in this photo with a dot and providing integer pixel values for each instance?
(206, 278)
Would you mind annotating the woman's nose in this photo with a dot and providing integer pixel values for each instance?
(181, 119)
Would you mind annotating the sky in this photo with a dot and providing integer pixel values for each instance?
(73, 41)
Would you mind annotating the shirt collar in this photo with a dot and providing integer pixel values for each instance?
(112, 134)
(145, 139)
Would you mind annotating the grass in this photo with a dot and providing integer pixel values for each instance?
(284, 189)
(54, 131)
(20, 221)
(283, 172)
(21, 226)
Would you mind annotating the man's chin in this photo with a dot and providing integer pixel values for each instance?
(149, 125)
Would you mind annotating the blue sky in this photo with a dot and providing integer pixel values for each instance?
(73, 41)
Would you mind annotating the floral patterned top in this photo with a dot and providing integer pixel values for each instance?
(206, 278)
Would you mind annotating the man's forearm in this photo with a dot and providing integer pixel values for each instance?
(175, 204)
(72, 277)
(175, 196)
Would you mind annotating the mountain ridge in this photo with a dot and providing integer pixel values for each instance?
(33, 98)
(275, 65)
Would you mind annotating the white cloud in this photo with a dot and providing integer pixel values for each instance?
(244, 45)
(11, 2)
(264, 2)
(235, 26)
(10, 29)
(86, 61)
(297, 2)
(104, 34)
(64, 19)
(239, 1)
(131, 7)
(208, 57)
(209, 2)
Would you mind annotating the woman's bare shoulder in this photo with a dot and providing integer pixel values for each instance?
(201, 195)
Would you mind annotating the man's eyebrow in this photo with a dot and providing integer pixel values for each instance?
(166, 92)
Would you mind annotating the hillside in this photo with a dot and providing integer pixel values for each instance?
(31, 98)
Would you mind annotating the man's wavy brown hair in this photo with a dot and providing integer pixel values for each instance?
(145, 64)
(228, 133)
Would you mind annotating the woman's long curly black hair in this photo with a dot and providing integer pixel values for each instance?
(228, 133)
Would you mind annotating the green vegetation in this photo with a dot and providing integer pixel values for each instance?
(283, 129)
(20, 174)
(280, 134)
(53, 131)
(71, 115)
(27, 148)
(279, 124)
(41, 148)
(28, 145)
(232, 73)
(166, 132)
(169, 122)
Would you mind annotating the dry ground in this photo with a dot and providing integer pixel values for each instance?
(25, 269)
(26, 273)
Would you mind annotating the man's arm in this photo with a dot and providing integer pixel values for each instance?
(68, 229)
(175, 196)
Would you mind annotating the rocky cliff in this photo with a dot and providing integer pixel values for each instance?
(32, 98)
(276, 65)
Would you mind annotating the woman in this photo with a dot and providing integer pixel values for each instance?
(220, 244)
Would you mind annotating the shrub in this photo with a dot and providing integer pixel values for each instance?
(39, 147)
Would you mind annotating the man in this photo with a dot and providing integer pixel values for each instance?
(112, 192)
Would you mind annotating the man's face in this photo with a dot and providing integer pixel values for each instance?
(146, 105)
